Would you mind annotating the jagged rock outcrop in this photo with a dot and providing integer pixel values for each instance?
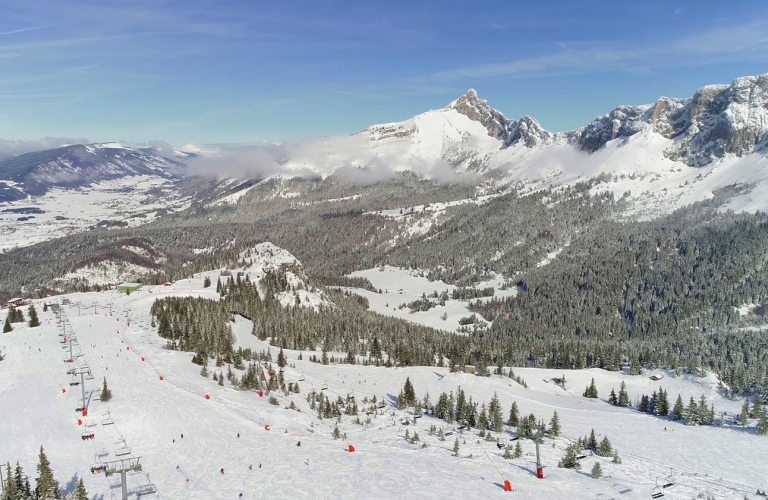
(717, 120)
(526, 131)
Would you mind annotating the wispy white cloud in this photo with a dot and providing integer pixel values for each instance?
(22, 30)
(736, 43)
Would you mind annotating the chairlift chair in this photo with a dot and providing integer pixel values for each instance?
(108, 421)
(324, 386)
(302, 378)
(669, 481)
(657, 491)
(125, 450)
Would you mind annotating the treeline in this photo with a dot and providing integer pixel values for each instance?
(193, 324)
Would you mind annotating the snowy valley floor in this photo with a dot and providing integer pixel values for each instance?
(151, 414)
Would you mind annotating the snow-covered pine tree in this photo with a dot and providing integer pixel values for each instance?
(22, 483)
(644, 404)
(597, 471)
(591, 443)
(47, 487)
(591, 391)
(514, 415)
(81, 493)
(678, 410)
(518, 450)
(569, 460)
(616, 457)
(604, 449)
(10, 489)
(554, 425)
(409, 393)
(494, 410)
(663, 406)
(33, 320)
(7, 327)
(482, 420)
(281, 361)
(507, 453)
(744, 413)
(757, 406)
(612, 399)
(106, 393)
(692, 413)
(762, 424)
(204, 370)
(456, 448)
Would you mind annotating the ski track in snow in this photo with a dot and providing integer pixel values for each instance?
(150, 414)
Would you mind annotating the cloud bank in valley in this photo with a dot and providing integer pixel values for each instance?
(354, 159)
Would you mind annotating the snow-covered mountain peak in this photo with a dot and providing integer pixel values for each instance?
(476, 109)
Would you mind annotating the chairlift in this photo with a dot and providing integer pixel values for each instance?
(125, 450)
(89, 376)
(324, 386)
(382, 404)
(146, 489)
(669, 481)
(350, 397)
(302, 378)
(87, 435)
(98, 468)
(449, 433)
(657, 491)
(108, 421)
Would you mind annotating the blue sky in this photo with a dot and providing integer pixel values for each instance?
(234, 71)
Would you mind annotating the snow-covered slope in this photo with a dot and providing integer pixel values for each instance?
(158, 395)
(265, 258)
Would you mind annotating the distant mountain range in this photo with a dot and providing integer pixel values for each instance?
(663, 155)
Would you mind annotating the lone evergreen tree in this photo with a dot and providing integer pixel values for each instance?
(47, 487)
(494, 411)
(409, 394)
(597, 471)
(281, 361)
(80, 492)
(616, 457)
(514, 415)
(623, 396)
(591, 391)
(456, 448)
(7, 327)
(33, 320)
(207, 282)
(518, 450)
(554, 425)
(106, 394)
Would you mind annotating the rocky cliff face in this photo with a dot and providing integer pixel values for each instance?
(526, 131)
(717, 120)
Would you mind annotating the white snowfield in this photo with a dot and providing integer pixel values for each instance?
(75, 210)
(150, 414)
(400, 286)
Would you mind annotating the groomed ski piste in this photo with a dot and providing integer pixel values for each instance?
(158, 395)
